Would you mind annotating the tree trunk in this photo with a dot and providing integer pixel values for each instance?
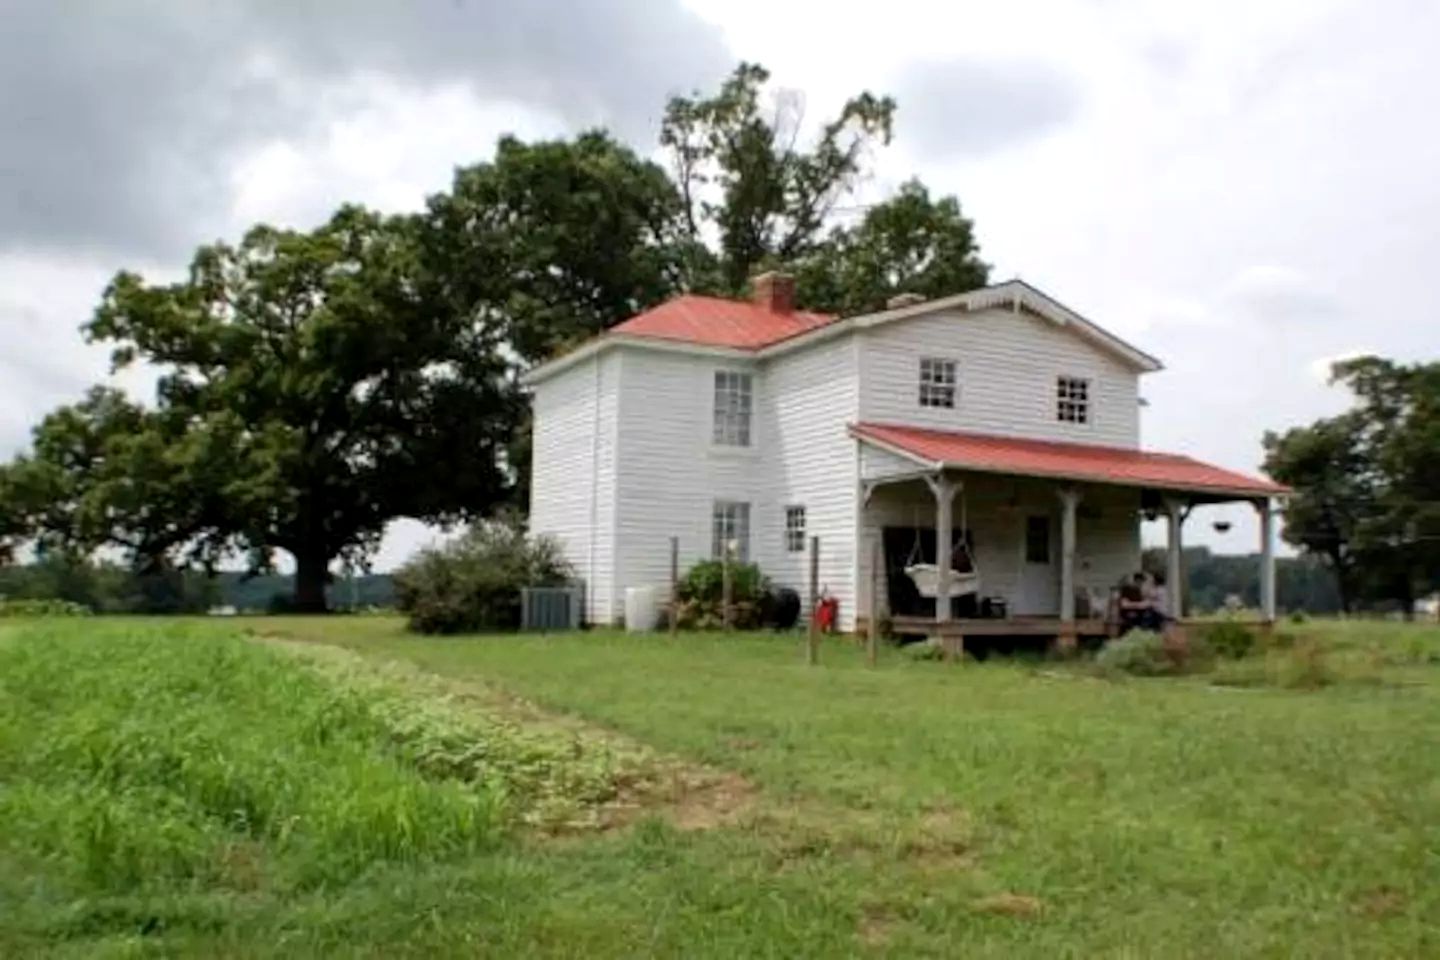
(1342, 582)
(311, 573)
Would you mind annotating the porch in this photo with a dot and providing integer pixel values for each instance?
(1041, 534)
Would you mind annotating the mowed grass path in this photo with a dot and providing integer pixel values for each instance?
(998, 809)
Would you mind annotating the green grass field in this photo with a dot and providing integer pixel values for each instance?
(335, 786)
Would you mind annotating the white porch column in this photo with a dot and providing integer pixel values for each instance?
(1175, 588)
(1069, 500)
(1267, 558)
(944, 491)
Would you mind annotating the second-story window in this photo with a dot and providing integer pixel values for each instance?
(1072, 400)
(937, 382)
(733, 402)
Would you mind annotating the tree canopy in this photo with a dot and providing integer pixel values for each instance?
(316, 384)
(1367, 482)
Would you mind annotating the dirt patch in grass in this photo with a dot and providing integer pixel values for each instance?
(568, 776)
(1010, 905)
(877, 926)
(1381, 903)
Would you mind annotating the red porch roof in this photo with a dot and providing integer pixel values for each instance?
(1072, 461)
(716, 322)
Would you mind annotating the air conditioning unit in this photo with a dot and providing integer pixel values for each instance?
(552, 608)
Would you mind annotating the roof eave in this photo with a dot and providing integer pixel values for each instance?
(605, 341)
(1237, 492)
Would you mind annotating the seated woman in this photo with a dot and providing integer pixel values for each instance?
(1159, 599)
(1138, 608)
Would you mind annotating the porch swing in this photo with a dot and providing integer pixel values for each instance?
(926, 576)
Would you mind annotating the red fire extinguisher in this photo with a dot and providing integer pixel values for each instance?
(827, 613)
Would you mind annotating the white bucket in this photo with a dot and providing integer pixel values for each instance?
(642, 609)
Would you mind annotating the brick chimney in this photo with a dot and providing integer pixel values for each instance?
(774, 291)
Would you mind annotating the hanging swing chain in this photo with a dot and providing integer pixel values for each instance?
(963, 547)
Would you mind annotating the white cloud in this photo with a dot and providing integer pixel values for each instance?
(385, 145)
(1278, 294)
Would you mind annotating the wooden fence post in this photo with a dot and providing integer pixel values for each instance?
(726, 587)
(872, 634)
(812, 643)
(674, 585)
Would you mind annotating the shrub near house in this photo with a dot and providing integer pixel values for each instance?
(474, 582)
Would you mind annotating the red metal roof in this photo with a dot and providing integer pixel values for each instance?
(716, 322)
(1075, 461)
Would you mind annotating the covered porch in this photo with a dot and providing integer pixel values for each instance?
(1041, 533)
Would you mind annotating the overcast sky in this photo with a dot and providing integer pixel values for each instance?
(1245, 189)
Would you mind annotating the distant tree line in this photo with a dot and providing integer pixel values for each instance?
(1302, 583)
(316, 384)
(118, 588)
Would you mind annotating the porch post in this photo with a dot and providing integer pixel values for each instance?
(1066, 638)
(1175, 590)
(1267, 559)
(1069, 500)
(944, 491)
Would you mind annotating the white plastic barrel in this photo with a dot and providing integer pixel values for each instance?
(642, 609)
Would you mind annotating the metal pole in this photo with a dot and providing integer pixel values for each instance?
(812, 644)
(674, 585)
(873, 633)
(725, 587)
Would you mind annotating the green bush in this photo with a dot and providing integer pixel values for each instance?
(1141, 653)
(473, 583)
(43, 608)
(1229, 639)
(1305, 667)
(702, 590)
(923, 650)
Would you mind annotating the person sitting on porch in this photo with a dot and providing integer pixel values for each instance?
(1137, 607)
(1159, 600)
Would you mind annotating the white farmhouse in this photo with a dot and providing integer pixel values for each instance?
(998, 415)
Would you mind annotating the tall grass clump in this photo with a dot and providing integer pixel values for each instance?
(1140, 653)
(139, 756)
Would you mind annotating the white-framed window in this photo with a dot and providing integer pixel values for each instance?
(937, 382)
(1072, 400)
(734, 395)
(795, 529)
(730, 524)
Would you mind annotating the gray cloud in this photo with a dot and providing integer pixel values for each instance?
(121, 120)
(964, 108)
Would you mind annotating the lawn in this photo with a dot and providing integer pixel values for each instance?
(918, 808)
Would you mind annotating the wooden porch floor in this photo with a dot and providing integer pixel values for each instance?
(999, 627)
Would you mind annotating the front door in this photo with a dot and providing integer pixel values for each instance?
(1039, 568)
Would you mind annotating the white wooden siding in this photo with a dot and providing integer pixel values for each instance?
(671, 473)
(811, 462)
(1007, 365)
(572, 489)
(877, 464)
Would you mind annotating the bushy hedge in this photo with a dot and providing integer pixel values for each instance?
(1140, 653)
(754, 601)
(1229, 639)
(43, 608)
(473, 582)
